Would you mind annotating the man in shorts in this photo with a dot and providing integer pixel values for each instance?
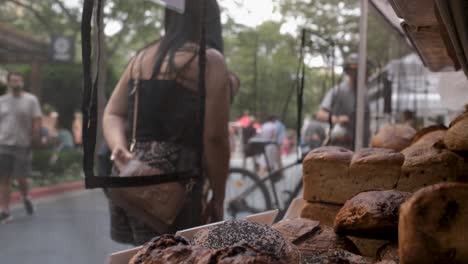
(20, 122)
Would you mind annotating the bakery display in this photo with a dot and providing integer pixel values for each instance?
(371, 214)
(433, 225)
(261, 237)
(394, 136)
(323, 212)
(325, 171)
(426, 166)
(310, 237)
(374, 169)
(456, 138)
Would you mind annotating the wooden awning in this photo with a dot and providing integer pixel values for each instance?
(438, 30)
(17, 47)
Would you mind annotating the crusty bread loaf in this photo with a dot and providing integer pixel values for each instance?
(371, 214)
(322, 212)
(394, 136)
(161, 243)
(312, 238)
(325, 174)
(374, 169)
(158, 243)
(241, 254)
(178, 255)
(388, 252)
(433, 225)
(430, 135)
(426, 166)
(456, 138)
(261, 237)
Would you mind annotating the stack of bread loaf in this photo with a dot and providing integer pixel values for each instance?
(360, 193)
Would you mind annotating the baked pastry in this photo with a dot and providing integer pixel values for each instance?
(311, 238)
(325, 171)
(388, 252)
(242, 254)
(179, 255)
(432, 227)
(322, 212)
(393, 136)
(260, 237)
(430, 135)
(456, 138)
(426, 166)
(373, 169)
(371, 214)
(157, 244)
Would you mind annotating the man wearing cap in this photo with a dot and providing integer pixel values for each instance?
(340, 102)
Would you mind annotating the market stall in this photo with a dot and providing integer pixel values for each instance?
(349, 210)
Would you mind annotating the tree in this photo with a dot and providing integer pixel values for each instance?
(266, 62)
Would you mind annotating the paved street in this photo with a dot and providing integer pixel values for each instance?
(71, 228)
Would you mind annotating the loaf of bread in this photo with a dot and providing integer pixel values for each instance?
(388, 252)
(428, 136)
(374, 169)
(433, 225)
(426, 166)
(241, 254)
(371, 214)
(456, 138)
(153, 251)
(394, 136)
(326, 174)
(260, 237)
(322, 212)
(312, 238)
(178, 255)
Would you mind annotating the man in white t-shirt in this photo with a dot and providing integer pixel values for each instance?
(20, 122)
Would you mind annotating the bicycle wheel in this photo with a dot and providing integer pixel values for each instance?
(245, 194)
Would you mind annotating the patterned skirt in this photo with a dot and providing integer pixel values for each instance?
(168, 158)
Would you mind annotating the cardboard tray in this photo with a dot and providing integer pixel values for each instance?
(123, 257)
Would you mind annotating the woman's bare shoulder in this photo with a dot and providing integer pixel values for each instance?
(215, 58)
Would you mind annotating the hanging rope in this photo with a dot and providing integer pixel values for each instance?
(89, 139)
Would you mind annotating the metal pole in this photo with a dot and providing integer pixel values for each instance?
(362, 89)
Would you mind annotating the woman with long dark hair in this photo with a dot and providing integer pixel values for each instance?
(168, 118)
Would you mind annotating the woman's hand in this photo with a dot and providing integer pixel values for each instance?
(121, 156)
(215, 210)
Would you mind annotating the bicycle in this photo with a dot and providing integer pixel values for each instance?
(251, 194)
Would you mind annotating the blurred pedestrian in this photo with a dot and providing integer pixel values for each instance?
(20, 123)
(339, 107)
(270, 132)
(168, 126)
(313, 134)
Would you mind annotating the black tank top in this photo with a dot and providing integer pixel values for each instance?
(167, 112)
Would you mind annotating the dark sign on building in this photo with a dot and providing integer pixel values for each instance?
(62, 49)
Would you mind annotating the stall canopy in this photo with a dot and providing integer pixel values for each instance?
(438, 30)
